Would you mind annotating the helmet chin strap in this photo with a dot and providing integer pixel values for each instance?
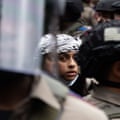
(112, 84)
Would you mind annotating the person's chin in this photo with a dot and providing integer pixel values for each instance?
(70, 78)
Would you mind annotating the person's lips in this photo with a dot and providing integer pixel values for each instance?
(71, 73)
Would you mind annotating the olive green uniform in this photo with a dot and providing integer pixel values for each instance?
(106, 100)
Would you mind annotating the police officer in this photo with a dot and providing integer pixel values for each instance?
(99, 59)
(116, 7)
(24, 95)
(104, 10)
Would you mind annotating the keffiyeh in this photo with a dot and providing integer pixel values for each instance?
(63, 43)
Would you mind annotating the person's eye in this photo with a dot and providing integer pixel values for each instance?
(62, 58)
(50, 57)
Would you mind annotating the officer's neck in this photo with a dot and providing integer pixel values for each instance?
(12, 95)
(112, 85)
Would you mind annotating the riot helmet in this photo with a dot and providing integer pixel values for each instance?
(116, 7)
(21, 27)
(100, 48)
(104, 9)
(104, 5)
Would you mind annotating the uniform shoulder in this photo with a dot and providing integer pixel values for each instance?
(76, 108)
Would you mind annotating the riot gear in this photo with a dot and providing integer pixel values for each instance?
(17, 44)
(104, 10)
(116, 7)
(76, 7)
(24, 29)
(97, 50)
(104, 5)
(100, 59)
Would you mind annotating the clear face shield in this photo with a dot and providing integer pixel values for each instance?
(22, 24)
(53, 9)
(21, 28)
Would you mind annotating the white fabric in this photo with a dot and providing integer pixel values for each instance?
(73, 81)
(63, 43)
(112, 34)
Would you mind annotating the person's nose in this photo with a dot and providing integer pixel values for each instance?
(72, 63)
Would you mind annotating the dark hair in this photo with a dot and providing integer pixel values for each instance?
(100, 67)
(72, 13)
(13, 78)
(30, 109)
(86, 1)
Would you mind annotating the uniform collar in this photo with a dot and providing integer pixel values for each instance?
(103, 93)
(73, 81)
(42, 91)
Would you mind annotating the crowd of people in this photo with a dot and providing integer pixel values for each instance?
(59, 60)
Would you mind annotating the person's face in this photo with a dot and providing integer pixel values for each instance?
(67, 66)
(102, 17)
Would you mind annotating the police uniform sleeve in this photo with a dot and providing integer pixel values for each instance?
(76, 109)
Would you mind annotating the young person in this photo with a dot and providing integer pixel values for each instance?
(64, 65)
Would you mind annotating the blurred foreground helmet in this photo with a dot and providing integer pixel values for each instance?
(104, 5)
(101, 46)
(22, 24)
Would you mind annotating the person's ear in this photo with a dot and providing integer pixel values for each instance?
(116, 69)
(79, 71)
